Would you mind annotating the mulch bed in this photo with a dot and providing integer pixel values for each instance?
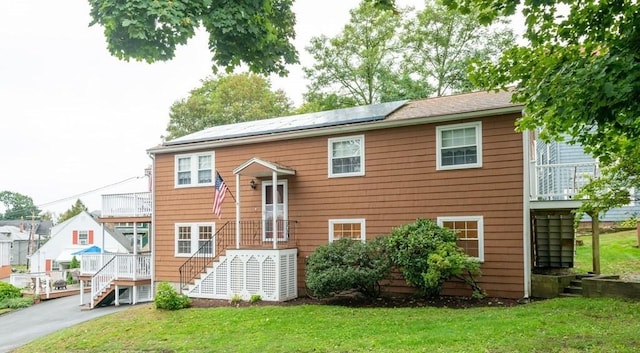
(363, 302)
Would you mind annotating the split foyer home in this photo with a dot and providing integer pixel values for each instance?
(296, 183)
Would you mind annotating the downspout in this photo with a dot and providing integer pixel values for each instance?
(526, 212)
(152, 231)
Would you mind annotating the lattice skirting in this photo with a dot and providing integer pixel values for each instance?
(271, 274)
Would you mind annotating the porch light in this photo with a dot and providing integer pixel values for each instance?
(253, 184)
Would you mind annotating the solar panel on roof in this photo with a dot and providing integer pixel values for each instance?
(337, 117)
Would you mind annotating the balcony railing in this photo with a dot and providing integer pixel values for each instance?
(137, 204)
(561, 181)
(126, 266)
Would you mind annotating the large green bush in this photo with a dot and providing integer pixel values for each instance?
(427, 255)
(167, 298)
(8, 291)
(347, 265)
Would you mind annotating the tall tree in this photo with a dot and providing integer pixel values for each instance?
(255, 33)
(389, 54)
(579, 78)
(357, 62)
(17, 206)
(224, 100)
(441, 44)
(76, 209)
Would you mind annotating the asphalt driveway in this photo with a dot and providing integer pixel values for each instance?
(25, 325)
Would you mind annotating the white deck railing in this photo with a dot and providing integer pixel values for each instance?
(105, 268)
(561, 181)
(128, 266)
(136, 204)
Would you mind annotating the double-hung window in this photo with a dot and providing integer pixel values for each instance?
(190, 237)
(353, 228)
(346, 156)
(83, 237)
(470, 233)
(194, 169)
(459, 146)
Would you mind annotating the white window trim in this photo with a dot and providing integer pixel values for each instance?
(195, 238)
(363, 227)
(331, 141)
(440, 129)
(479, 219)
(84, 241)
(194, 169)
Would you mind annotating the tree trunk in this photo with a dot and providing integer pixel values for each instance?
(595, 242)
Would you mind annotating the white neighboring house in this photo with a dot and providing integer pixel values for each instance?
(73, 235)
(5, 258)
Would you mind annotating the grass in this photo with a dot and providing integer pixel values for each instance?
(619, 254)
(557, 325)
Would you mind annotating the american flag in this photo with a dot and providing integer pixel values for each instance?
(221, 192)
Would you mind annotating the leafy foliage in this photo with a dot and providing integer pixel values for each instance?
(8, 291)
(255, 33)
(385, 54)
(578, 77)
(346, 265)
(224, 100)
(17, 206)
(168, 299)
(427, 256)
(75, 210)
(357, 62)
(16, 303)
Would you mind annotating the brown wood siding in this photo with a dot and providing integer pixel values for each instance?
(401, 184)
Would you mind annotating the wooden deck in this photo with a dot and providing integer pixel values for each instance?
(57, 293)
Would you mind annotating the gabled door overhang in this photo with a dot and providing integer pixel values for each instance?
(260, 168)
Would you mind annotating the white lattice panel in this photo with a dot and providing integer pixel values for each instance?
(270, 273)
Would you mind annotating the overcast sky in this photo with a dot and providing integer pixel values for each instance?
(74, 119)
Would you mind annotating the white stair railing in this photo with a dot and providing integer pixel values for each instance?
(102, 279)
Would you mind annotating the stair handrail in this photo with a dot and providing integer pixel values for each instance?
(103, 278)
(201, 259)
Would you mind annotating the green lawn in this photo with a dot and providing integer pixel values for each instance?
(619, 254)
(557, 325)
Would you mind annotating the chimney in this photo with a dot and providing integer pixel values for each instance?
(21, 224)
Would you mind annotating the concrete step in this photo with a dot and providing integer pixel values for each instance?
(569, 295)
(573, 290)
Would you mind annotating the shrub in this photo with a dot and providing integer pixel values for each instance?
(255, 298)
(167, 298)
(8, 291)
(16, 303)
(346, 265)
(235, 299)
(427, 255)
(630, 223)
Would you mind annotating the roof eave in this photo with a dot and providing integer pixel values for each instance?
(339, 129)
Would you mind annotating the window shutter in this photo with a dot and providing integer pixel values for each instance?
(75, 237)
(47, 265)
(90, 237)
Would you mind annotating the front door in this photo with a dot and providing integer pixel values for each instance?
(274, 208)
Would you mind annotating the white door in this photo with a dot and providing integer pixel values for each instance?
(279, 207)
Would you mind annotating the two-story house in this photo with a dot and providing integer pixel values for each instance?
(298, 182)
